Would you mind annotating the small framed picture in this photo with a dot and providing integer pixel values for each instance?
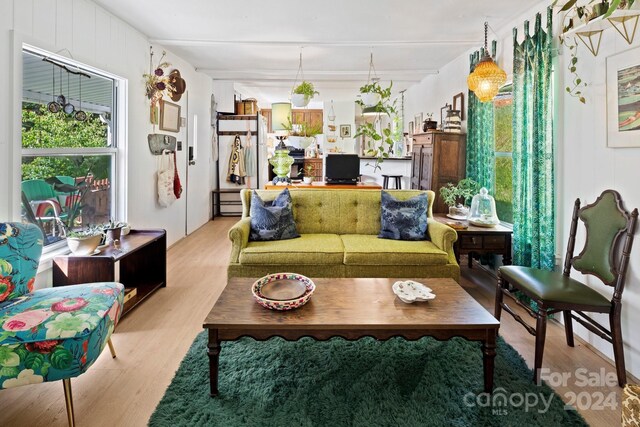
(169, 116)
(410, 128)
(417, 123)
(458, 104)
(345, 131)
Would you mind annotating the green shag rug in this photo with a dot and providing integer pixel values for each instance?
(357, 383)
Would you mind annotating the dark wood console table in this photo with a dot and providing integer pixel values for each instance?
(481, 240)
(140, 264)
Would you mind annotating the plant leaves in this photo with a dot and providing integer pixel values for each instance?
(34, 361)
(568, 5)
(584, 101)
(612, 8)
(61, 358)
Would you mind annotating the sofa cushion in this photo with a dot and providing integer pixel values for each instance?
(308, 249)
(272, 220)
(403, 219)
(369, 250)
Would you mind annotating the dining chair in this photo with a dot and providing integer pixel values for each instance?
(609, 237)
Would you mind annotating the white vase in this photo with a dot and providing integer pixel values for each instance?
(307, 179)
(370, 99)
(300, 100)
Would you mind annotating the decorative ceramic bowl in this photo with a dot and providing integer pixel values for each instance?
(256, 290)
(84, 245)
(409, 291)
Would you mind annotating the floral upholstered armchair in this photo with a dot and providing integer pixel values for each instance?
(54, 333)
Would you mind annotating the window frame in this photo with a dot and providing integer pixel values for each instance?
(502, 154)
(116, 143)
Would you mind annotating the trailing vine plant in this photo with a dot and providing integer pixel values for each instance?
(573, 89)
(579, 13)
(382, 141)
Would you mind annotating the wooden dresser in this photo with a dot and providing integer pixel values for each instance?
(438, 158)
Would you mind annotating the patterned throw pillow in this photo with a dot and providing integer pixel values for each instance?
(272, 220)
(404, 219)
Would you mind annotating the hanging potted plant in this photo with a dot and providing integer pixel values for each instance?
(370, 94)
(380, 138)
(303, 93)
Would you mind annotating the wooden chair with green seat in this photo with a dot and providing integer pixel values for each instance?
(609, 238)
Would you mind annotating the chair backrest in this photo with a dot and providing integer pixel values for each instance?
(38, 189)
(605, 253)
(20, 250)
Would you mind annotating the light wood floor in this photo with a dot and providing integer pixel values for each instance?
(152, 340)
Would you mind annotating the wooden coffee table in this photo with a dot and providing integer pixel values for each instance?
(352, 309)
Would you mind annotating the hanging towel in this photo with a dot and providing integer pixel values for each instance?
(236, 171)
(249, 162)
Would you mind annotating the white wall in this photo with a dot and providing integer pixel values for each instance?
(345, 115)
(585, 165)
(95, 37)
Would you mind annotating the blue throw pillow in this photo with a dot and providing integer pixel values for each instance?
(404, 219)
(272, 220)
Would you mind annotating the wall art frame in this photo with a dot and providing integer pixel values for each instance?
(169, 116)
(458, 104)
(345, 131)
(623, 105)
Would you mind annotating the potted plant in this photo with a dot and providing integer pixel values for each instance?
(113, 230)
(303, 93)
(380, 139)
(84, 242)
(371, 94)
(308, 173)
(456, 196)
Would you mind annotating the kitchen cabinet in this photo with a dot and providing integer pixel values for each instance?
(310, 117)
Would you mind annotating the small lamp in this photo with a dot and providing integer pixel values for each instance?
(487, 77)
(281, 160)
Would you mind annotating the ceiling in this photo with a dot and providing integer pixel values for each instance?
(257, 43)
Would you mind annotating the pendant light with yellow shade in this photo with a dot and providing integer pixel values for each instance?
(487, 78)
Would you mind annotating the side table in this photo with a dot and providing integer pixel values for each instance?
(140, 264)
(481, 240)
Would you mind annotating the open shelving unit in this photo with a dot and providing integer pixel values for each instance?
(226, 196)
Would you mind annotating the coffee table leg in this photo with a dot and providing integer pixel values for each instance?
(214, 355)
(488, 359)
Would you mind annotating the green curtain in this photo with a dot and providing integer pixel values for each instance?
(480, 134)
(533, 156)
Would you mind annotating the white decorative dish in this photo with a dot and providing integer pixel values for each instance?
(409, 291)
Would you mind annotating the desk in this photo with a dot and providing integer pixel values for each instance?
(481, 240)
(321, 185)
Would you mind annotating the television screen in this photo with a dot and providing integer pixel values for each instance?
(342, 169)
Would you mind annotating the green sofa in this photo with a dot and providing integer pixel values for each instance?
(339, 230)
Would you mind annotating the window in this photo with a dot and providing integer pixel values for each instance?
(69, 144)
(503, 114)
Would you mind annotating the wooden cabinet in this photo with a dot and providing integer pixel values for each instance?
(140, 264)
(317, 168)
(438, 158)
(310, 117)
